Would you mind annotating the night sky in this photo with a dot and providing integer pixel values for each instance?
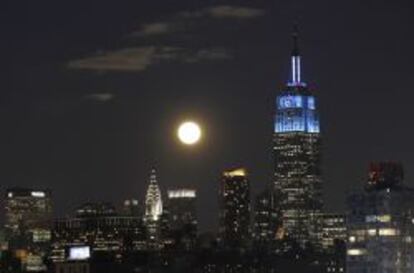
(92, 91)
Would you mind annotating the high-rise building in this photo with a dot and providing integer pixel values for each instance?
(266, 218)
(234, 222)
(380, 223)
(153, 211)
(332, 242)
(132, 207)
(28, 225)
(333, 230)
(153, 200)
(181, 205)
(297, 154)
(99, 227)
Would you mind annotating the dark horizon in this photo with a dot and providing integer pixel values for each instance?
(91, 128)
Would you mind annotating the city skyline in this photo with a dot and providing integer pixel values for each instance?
(207, 137)
(73, 130)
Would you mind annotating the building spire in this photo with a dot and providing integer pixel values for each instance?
(295, 34)
(295, 58)
(153, 200)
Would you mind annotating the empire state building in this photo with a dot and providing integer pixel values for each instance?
(297, 154)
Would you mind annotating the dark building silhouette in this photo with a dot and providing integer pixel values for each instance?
(132, 207)
(266, 217)
(183, 222)
(380, 223)
(383, 175)
(333, 230)
(234, 202)
(100, 227)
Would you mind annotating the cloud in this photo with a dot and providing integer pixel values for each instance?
(138, 59)
(154, 29)
(224, 11)
(176, 24)
(99, 97)
(208, 55)
(132, 59)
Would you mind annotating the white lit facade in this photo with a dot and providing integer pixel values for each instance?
(153, 212)
(153, 200)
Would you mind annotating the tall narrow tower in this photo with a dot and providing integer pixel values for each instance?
(297, 151)
(153, 201)
(153, 211)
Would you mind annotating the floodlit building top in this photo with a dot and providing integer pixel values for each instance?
(236, 172)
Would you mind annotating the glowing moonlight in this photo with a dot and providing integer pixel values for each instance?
(189, 133)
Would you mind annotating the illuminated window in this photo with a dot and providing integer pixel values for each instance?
(384, 218)
(356, 251)
(311, 103)
(41, 235)
(372, 232)
(359, 232)
(370, 218)
(387, 232)
(38, 194)
(378, 218)
(352, 239)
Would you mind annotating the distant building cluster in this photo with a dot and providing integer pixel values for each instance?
(284, 228)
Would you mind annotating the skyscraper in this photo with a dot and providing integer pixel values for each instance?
(183, 217)
(153, 210)
(265, 221)
(333, 230)
(297, 154)
(380, 223)
(28, 225)
(234, 195)
(132, 207)
(153, 200)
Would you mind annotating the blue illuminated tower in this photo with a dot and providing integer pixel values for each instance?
(297, 151)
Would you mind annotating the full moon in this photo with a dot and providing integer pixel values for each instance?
(189, 132)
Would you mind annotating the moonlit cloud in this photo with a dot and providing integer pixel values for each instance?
(128, 59)
(141, 58)
(178, 23)
(155, 28)
(208, 55)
